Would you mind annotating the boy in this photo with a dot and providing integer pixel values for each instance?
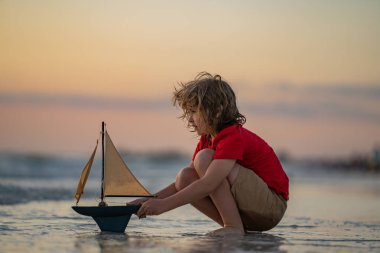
(235, 178)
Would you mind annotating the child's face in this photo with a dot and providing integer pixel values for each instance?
(197, 121)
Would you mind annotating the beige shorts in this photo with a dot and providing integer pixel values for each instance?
(260, 208)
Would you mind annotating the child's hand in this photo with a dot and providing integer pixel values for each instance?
(139, 201)
(151, 207)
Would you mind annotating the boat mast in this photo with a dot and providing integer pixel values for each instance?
(102, 203)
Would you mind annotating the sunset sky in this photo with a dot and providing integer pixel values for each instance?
(306, 73)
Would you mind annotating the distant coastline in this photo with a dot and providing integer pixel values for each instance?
(362, 162)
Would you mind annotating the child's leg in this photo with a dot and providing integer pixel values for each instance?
(222, 197)
(187, 176)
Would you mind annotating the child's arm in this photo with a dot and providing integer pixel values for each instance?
(217, 171)
(163, 193)
(170, 189)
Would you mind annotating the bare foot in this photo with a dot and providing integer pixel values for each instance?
(226, 231)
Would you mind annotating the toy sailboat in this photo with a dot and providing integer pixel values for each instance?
(117, 181)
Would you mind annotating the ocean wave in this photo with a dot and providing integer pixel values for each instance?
(18, 191)
(11, 194)
(28, 177)
(15, 165)
(37, 166)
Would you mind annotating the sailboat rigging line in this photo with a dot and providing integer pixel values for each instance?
(103, 162)
(131, 196)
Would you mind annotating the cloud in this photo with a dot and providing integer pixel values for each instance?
(339, 102)
(348, 102)
(83, 101)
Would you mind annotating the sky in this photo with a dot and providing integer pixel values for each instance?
(306, 73)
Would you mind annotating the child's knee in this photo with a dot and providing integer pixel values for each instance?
(185, 177)
(202, 160)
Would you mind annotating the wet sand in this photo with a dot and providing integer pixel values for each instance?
(329, 215)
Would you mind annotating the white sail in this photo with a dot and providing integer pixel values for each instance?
(118, 179)
(84, 176)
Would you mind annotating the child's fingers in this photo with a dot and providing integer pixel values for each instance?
(137, 201)
(141, 213)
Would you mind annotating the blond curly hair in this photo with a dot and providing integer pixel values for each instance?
(212, 97)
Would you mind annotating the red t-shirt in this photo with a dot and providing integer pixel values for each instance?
(250, 151)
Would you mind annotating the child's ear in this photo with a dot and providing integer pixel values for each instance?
(220, 111)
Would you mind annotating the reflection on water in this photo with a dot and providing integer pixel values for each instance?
(54, 227)
(111, 243)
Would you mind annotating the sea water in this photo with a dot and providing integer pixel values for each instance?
(328, 211)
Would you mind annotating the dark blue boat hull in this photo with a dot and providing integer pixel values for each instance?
(109, 218)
